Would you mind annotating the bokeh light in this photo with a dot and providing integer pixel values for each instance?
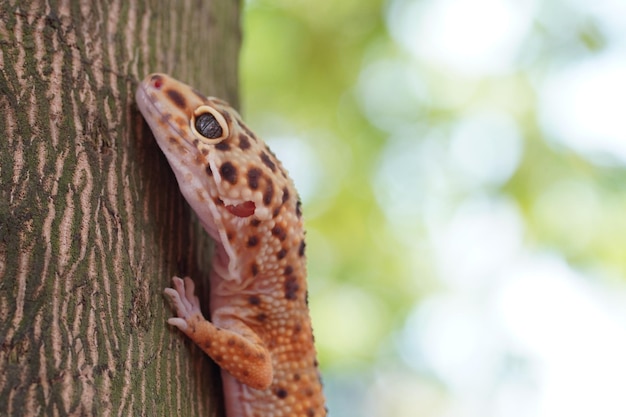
(462, 168)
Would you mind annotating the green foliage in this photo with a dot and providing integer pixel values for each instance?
(306, 70)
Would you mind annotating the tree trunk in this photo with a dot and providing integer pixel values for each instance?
(92, 225)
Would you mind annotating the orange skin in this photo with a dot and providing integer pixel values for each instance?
(260, 331)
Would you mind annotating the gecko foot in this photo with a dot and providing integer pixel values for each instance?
(184, 301)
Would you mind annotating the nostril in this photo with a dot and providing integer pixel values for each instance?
(157, 81)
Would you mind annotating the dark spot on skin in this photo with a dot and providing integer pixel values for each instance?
(267, 161)
(261, 317)
(246, 373)
(253, 178)
(301, 248)
(310, 412)
(308, 392)
(173, 140)
(291, 288)
(254, 269)
(244, 142)
(285, 195)
(255, 222)
(254, 300)
(288, 270)
(315, 363)
(267, 148)
(199, 94)
(222, 146)
(204, 151)
(251, 134)
(208, 171)
(299, 208)
(281, 393)
(279, 232)
(297, 328)
(231, 342)
(276, 212)
(226, 115)
(177, 98)
(252, 241)
(229, 172)
(269, 193)
(207, 345)
(281, 253)
(296, 377)
(216, 100)
(165, 119)
(219, 358)
(229, 236)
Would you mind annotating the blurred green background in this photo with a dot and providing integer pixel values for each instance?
(462, 169)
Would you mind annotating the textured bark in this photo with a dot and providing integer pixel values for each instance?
(92, 225)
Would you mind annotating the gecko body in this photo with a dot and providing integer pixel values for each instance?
(260, 331)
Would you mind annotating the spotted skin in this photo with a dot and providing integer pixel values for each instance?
(260, 332)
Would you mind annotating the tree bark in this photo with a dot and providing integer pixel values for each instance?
(92, 225)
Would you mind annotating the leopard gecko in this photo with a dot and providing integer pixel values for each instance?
(260, 331)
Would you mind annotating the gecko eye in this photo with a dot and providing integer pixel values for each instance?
(209, 125)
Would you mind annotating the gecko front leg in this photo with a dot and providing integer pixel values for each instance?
(233, 346)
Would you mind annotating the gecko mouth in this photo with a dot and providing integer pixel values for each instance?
(245, 209)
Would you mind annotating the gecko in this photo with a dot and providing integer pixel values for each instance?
(259, 332)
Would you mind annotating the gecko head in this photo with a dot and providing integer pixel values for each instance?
(216, 158)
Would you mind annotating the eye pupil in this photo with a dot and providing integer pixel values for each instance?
(208, 126)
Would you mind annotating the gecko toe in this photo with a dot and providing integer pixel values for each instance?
(182, 296)
(178, 322)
